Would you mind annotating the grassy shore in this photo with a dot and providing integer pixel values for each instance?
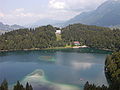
(35, 49)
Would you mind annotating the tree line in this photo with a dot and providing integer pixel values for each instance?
(112, 71)
(92, 36)
(113, 86)
(17, 86)
(41, 37)
(45, 37)
(112, 67)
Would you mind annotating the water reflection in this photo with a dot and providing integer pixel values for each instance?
(54, 68)
(79, 65)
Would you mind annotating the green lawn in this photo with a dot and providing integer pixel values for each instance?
(58, 37)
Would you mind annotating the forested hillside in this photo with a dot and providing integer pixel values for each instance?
(112, 71)
(41, 37)
(113, 66)
(45, 37)
(92, 36)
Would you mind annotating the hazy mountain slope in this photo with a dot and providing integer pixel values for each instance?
(107, 14)
(4, 27)
(46, 21)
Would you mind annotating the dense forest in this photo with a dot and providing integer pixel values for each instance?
(45, 37)
(41, 37)
(92, 36)
(113, 86)
(112, 67)
(112, 71)
(17, 86)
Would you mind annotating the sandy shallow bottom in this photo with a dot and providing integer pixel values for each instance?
(38, 81)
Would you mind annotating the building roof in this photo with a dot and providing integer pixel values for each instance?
(77, 42)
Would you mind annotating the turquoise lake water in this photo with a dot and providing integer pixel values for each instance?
(65, 69)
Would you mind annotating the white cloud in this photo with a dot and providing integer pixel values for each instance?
(2, 14)
(55, 9)
(19, 10)
(57, 4)
(76, 5)
(20, 16)
(69, 8)
(66, 9)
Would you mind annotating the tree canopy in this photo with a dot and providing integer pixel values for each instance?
(92, 36)
(41, 37)
(112, 66)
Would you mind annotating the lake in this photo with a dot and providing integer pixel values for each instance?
(62, 69)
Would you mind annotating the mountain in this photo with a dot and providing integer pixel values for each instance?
(46, 21)
(4, 27)
(2, 32)
(107, 14)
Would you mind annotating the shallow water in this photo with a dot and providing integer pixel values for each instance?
(54, 69)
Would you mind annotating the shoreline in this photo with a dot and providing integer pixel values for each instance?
(34, 49)
(52, 48)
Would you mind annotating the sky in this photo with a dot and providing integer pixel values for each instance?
(25, 12)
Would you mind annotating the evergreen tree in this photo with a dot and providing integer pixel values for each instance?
(28, 87)
(18, 86)
(4, 85)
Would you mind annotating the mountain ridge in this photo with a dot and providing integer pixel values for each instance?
(107, 14)
(43, 22)
(5, 27)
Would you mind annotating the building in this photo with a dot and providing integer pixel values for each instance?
(58, 32)
(76, 43)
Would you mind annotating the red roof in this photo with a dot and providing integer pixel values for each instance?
(77, 42)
